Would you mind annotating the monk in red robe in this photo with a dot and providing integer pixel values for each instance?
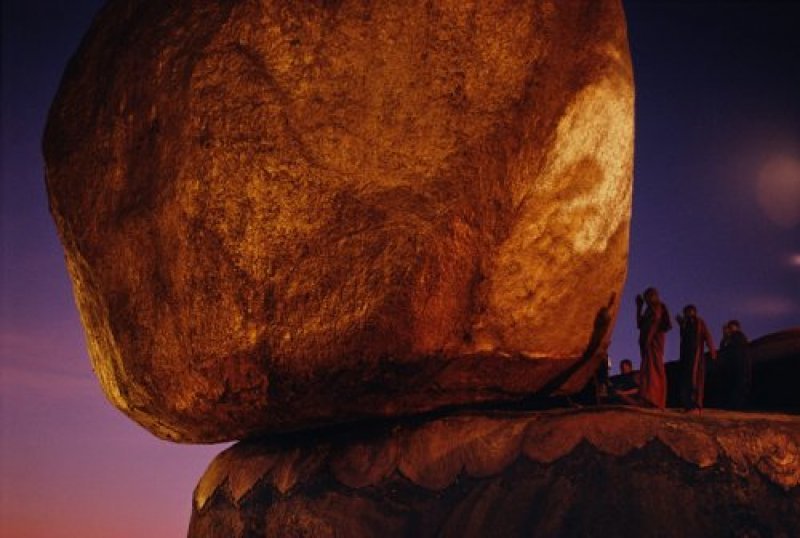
(695, 338)
(652, 324)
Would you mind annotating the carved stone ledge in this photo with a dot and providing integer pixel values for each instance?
(616, 471)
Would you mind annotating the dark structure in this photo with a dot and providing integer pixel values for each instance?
(775, 362)
(776, 371)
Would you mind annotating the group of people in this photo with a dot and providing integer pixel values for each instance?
(650, 389)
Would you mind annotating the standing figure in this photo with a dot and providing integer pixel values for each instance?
(726, 335)
(695, 338)
(652, 324)
(736, 357)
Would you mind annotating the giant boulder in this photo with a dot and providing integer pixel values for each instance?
(282, 214)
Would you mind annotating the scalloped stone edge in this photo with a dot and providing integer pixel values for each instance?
(432, 455)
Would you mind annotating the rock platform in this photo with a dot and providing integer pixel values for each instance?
(608, 471)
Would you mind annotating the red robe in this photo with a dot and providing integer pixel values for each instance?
(653, 383)
(695, 336)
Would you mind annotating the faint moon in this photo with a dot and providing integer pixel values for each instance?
(778, 190)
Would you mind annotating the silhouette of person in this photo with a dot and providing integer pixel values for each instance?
(624, 388)
(653, 322)
(735, 355)
(695, 338)
(726, 335)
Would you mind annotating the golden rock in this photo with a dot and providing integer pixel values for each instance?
(284, 214)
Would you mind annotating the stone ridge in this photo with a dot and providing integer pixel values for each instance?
(434, 454)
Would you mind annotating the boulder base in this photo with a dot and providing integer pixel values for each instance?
(283, 214)
(592, 472)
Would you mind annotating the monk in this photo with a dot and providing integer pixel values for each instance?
(735, 355)
(652, 324)
(624, 388)
(695, 338)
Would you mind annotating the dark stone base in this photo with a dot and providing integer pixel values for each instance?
(595, 472)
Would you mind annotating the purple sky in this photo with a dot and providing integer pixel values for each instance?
(716, 212)
(716, 222)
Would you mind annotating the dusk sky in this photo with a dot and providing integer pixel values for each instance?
(716, 222)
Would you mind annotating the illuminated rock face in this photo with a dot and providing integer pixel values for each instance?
(611, 472)
(281, 214)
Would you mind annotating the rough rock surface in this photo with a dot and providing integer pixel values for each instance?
(280, 214)
(593, 472)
